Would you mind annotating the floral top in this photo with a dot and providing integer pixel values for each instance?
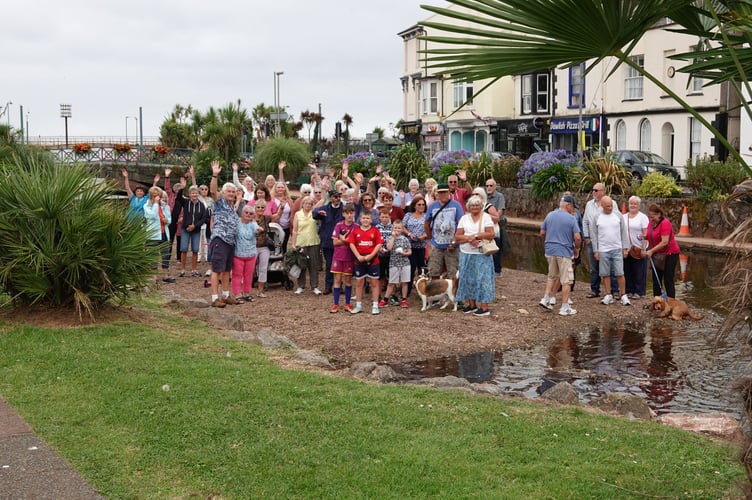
(397, 258)
(416, 227)
(226, 222)
(245, 240)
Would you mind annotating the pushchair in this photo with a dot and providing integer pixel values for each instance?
(295, 262)
(276, 272)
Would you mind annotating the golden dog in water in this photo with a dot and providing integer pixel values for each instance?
(672, 308)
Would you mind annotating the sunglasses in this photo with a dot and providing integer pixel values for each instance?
(490, 185)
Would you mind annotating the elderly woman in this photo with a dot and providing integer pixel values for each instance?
(305, 190)
(157, 215)
(412, 187)
(244, 260)
(476, 273)
(662, 247)
(284, 208)
(262, 251)
(429, 190)
(305, 236)
(248, 185)
(222, 245)
(367, 204)
(636, 266)
(194, 216)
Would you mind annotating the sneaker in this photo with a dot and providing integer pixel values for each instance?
(567, 311)
(349, 308)
(316, 291)
(248, 298)
(356, 309)
(375, 310)
(546, 304)
(382, 303)
(608, 299)
(298, 291)
(481, 312)
(552, 301)
(469, 309)
(394, 301)
(196, 274)
(261, 295)
(231, 300)
(181, 274)
(327, 291)
(334, 309)
(569, 302)
(169, 280)
(207, 283)
(403, 303)
(208, 272)
(218, 303)
(625, 301)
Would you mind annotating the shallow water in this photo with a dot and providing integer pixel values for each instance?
(675, 369)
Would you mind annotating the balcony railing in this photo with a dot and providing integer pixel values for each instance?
(110, 155)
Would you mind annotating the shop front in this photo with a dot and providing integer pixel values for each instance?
(564, 132)
(521, 137)
(410, 132)
(432, 135)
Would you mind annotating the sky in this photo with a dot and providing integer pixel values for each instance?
(107, 59)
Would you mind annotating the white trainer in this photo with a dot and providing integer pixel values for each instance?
(567, 311)
(625, 300)
(298, 291)
(316, 291)
(552, 301)
(608, 299)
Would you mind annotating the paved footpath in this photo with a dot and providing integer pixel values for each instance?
(29, 469)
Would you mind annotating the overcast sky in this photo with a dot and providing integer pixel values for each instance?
(107, 58)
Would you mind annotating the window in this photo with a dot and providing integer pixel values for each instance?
(696, 84)
(430, 93)
(527, 94)
(463, 92)
(634, 80)
(542, 93)
(576, 85)
(621, 135)
(695, 132)
(645, 135)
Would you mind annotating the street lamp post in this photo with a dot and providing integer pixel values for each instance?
(65, 113)
(27, 127)
(277, 99)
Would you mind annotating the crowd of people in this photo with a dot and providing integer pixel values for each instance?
(366, 230)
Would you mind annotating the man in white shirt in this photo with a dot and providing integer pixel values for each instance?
(610, 247)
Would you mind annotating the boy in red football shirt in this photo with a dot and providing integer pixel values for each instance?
(365, 243)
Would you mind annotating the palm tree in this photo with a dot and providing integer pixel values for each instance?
(307, 118)
(347, 120)
(508, 37)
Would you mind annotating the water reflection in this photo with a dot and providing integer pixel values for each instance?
(477, 367)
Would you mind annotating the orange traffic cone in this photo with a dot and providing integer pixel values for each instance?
(684, 229)
(623, 207)
(683, 260)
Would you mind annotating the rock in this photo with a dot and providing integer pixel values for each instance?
(628, 405)
(179, 302)
(562, 393)
(312, 358)
(523, 311)
(361, 369)
(448, 381)
(246, 336)
(384, 374)
(487, 389)
(271, 340)
(221, 319)
(716, 424)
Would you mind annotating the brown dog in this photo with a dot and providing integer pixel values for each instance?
(672, 308)
(436, 289)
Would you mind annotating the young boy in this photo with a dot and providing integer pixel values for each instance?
(342, 259)
(399, 249)
(365, 243)
(385, 228)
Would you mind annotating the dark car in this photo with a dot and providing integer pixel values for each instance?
(642, 163)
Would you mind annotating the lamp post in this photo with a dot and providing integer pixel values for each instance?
(27, 127)
(65, 113)
(277, 99)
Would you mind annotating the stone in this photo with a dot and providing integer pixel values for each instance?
(384, 374)
(448, 381)
(361, 369)
(221, 319)
(179, 302)
(312, 358)
(485, 388)
(628, 405)
(271, 340)
(716, 424)
(562, 393)
(246, 336)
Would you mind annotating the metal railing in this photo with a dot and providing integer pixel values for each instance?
(108, 154)
(59, 141)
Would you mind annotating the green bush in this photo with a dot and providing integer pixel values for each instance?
(603, 169)
(407, 162)
(272, 151)
(714, 179)
(480, 169)
(63, 240)
(505, 170)
(657, 185)
(551, 181)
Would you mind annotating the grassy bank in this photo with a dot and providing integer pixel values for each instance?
(177, 411)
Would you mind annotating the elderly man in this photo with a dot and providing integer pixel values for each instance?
(459, 194)
(442, 218)
(328, 216)
(562, 238)
(593, 208)
(610, 246)
(496, 198)
(222, 244)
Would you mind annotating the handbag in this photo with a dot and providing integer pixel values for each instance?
(488, 247)
(659, 261)
(635, 252)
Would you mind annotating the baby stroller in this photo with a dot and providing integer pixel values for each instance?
(276, 272)
(295, 261)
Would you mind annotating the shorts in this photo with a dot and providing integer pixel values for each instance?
(440, 259)
(366, 269)
(611, 263)
(560, 268)
(342, 267)
(399, 274)
(193, 238)
(221, 255)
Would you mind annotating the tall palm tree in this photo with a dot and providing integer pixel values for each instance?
(307, 118)
(507, 37)
(347, 120)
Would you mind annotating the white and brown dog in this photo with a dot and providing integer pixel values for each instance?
(430, 290)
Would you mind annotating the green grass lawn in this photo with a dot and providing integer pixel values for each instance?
(144, 412)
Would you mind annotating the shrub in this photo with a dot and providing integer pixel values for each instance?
(272, 151)
(479, 169)
(657, 185)
(714, 179)
(447, 163)
(363, 162)
(407, 162)
(63, 241)
(603, 169)
(544, 160)
(551, 181)
(505, 170)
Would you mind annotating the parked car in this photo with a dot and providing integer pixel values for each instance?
(643, 163)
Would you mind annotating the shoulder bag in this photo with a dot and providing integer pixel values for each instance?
(635, 251)
(488, 247)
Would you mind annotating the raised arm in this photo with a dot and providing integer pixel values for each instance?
(127, 183)
(192, 173)
(235, 178)
(216, 169)
(281, 167)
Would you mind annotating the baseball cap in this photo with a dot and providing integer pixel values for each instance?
(568, 198)
(442, 187)
(334, 192)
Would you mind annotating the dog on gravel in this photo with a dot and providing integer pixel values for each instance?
(430, 290)
(672, 308)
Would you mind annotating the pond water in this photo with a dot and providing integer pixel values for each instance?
(675, 369)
